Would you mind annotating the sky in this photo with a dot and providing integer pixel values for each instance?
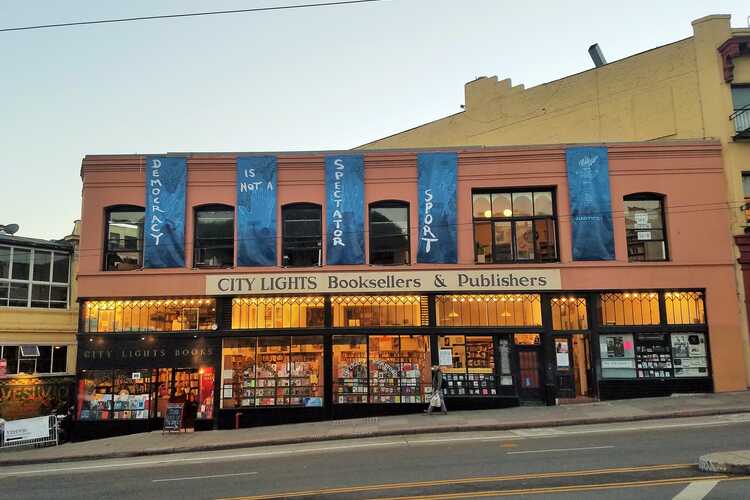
(308, 79)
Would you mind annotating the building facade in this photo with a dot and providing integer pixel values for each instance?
(258, 289)
(694, 88)
(38, 325)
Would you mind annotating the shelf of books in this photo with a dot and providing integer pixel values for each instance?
(350, 374)
(134, 394)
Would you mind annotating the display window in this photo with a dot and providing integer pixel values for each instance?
(134, 394)
(95, 395)
(350, 369)
(489, 310)
(685, 308)
(273, 371)
(377, 311)
(190, 386)
(569, 313)
(689, 354)
(468, 365)
(629, 308)
(164, 315)
(277, 312)
(399, 368)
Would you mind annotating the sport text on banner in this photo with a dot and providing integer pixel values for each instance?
(437, 207)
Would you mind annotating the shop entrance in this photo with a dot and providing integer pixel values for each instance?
(574, 378)
(528, 358)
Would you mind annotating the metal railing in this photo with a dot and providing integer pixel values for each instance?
(741, 119)
(52, 438)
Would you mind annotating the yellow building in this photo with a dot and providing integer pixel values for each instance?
(38, 324)
(694, 88)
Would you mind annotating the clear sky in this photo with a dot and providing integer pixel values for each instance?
(323, 78)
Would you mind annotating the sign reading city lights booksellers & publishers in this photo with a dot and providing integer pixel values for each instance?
(499, 280)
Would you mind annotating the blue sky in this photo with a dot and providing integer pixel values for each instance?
(324, 78)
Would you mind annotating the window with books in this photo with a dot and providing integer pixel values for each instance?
(489, 310)
(273, 371)
(645, 230)
(350, 369)
(400, 369)
(468, 365)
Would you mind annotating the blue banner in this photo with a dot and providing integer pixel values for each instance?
(437, 174)
(256, 210)
(590, 203)
(345, 209)
(164, 231)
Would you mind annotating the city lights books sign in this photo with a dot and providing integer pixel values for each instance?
(400, 282)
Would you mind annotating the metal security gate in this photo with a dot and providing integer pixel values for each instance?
(29, 432)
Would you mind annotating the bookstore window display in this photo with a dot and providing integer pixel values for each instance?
(350, 369)
(95, 395)
(399, 369)
(654, 355)
(468, 364)
(489, 310)
(277, 312)
(377, 311)
(273, 371)
(186, 385)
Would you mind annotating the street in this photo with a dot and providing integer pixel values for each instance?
(653, 459)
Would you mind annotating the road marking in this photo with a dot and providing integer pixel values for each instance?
(551, 450)
(558, 489)
(202, 477)
(696, 490)
(203, 459)
(468, 480)
(475, 438)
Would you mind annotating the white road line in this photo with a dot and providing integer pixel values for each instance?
(559, 449)
(476, 438)
(202, 477)
(203, 459)
(696, 490)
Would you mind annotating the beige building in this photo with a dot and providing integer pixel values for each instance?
(696, 88)
(38, 324)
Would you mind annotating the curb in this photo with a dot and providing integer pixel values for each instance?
(731, 462)
(379, 433)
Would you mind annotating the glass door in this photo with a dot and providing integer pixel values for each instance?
(528, 353)
(565, 375)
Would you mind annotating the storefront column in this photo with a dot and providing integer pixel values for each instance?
(218, 379)
(328, 374)
(548, 353)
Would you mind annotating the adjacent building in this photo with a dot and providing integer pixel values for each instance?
(268, 288)
(694, 88)
(38, 325)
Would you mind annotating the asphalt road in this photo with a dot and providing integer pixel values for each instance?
(629, 460)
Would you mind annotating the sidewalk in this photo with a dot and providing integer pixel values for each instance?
(155, 443)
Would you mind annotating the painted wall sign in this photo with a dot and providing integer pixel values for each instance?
(437, 177)
(25, 397)
(257, 178)
(164, 231)
(410, 281)
(590, 203)
(150, 353)
(345, 209)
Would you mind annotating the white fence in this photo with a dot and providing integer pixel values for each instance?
(29, 432)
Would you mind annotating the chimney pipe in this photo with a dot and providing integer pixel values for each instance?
(596, 55)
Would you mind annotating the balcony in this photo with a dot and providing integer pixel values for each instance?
(741, 119)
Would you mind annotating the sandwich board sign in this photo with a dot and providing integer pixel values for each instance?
(173, 417)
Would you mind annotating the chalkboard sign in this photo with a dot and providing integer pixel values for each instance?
(173, 417)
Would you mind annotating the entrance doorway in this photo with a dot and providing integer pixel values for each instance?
(528, 354)
(575, 378)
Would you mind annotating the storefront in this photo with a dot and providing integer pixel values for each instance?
(301, 358)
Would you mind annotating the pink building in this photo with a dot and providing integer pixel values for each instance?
(526, 274)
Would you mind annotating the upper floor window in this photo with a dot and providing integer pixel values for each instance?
(741, 114)
(514, 226)
(746, 193)
(302, 235)
(152, 315)
(214, 236)
(124, 239)
(32, 277)
(644, 224)
(389, 233)
(34, 359)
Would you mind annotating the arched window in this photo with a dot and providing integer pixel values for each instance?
(302, 235)
(123, 244)
(214, 236)
(389, 233)
(645, 228)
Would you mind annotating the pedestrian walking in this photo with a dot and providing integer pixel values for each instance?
(438, 398)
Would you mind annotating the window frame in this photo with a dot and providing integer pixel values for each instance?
(54, 348)
(513, 219)
(31, 283)
(212, 207)
(108, 211)
(389, 204)
(648, 196)
(284, 244)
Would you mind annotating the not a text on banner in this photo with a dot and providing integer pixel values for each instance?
(257, 178)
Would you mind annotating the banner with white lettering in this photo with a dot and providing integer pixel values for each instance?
(345, 209)
(590, 203)
(256, 210)
(164, 231)
(437, 174)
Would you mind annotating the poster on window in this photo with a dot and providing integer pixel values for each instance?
(257, 179)
(590, 203)
(561, 351)
(437, 177)
(345, 209)
(164, 231)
